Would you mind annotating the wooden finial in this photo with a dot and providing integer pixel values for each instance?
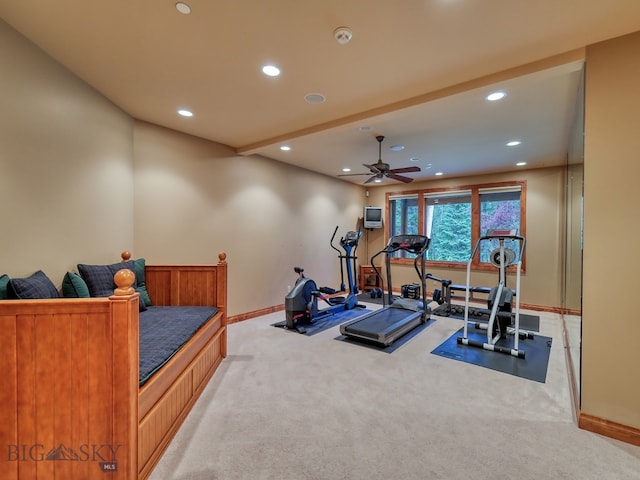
(125, 255)
(124, 279)
(222, 257)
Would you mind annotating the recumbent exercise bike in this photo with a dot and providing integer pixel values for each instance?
(301, 303)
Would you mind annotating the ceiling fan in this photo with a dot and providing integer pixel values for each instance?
(380, 169)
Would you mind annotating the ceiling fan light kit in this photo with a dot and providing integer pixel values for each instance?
(380, 169)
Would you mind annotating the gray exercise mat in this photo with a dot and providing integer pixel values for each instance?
(532, 367)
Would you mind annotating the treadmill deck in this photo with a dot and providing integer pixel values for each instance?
(383, 326)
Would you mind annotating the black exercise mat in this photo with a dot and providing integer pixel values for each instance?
(527, 322)
(532, 367)
(327, 321)
(391, 348)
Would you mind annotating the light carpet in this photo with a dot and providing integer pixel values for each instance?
(297, 407)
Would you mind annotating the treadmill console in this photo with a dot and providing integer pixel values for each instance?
(411, 243)
(501, 233)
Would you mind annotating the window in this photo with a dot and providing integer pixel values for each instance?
(403, 218)
(448, 225)
(454, 219)
(499, 209)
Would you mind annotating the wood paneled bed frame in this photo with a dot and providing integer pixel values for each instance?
(70, 402)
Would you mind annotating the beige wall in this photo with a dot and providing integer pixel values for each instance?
(66, 167)
(195, 198)
(610, 331)
(541, 284)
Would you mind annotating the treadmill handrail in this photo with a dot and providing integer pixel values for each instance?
(393, 245)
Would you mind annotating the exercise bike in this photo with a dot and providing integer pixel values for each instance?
(301, 303)
(500, 301)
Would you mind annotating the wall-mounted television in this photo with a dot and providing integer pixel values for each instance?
(373, 217)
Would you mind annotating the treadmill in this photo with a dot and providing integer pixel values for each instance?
(401, 315)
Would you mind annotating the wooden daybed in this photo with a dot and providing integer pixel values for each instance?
(70, 402)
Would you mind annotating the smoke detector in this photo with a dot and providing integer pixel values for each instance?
(343, 35)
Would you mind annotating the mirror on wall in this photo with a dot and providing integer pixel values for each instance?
(574, 195)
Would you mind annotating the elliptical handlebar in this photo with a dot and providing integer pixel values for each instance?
(331, 241)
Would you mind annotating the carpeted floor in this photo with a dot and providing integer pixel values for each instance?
(292, 407)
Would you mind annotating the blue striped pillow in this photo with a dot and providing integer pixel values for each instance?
(36, 286)
(99, 278)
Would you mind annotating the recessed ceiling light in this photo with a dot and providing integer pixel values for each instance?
(315, 98)
(499, 95)
(377, 180)
(346, 169)
(285, 148)
(521, 164)
(183, 8)
(185, 113)
(414, 159)
(271, 70)
(397, 148)
(365, 128)
(513, 143)
(439, 174)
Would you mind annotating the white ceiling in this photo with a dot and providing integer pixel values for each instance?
(415, 71)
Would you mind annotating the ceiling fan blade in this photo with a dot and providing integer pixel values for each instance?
(400, 178)
(405, 170)
(370, 179)
(351, 174)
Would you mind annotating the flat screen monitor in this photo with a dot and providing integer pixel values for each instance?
(372, 217)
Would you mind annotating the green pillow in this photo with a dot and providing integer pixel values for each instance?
(73, 286)
(4, 282)
(141, 287)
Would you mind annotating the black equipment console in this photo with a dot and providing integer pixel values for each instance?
(411, 243)
(351, 239)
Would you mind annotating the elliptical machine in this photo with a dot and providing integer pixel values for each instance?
(301, 303)
(502, 321)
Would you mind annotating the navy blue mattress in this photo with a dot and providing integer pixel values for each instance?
(164, 330)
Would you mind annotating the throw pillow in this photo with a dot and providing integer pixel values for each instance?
(36, 286)
(73, 286)
(4, 284)
(142, 286)
(99, 278)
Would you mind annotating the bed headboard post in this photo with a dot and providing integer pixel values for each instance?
(125, 351)
(124, 279)
(221, 294)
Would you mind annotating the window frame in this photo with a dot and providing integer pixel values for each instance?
(476, 190)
